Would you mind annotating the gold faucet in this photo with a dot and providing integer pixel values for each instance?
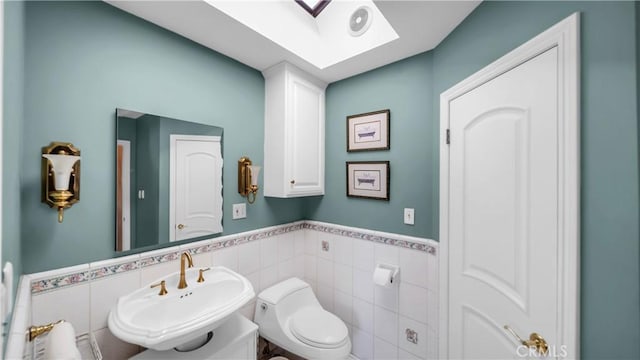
(183, 282)
(201, 278)
(163, 287)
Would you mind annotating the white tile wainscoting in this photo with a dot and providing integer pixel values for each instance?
(378, 318)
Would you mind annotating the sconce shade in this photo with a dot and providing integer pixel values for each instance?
(60, 176)
(62, 167)
(254, 171)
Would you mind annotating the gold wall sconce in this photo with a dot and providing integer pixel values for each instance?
(60, 176)
(248, 179)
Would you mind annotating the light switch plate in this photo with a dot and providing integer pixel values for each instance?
(239, 211)
(409, 216)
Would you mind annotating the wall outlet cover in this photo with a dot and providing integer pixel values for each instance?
(412, 335)
(409, 214)
(325, 245)
(239, 211)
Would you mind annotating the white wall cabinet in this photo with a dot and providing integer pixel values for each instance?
(294, 133)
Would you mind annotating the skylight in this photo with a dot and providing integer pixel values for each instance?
(322, 41)
(313, 7)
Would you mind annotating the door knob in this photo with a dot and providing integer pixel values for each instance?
(180, 226)
(292, 182)
(535, 341)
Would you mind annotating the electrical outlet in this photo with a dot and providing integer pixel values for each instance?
(412, 335)
(325, 245)
(239, 211)
(409, 216)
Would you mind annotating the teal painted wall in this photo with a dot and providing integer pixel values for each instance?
(85, 59)
(609, 134)
(13, 115)
(148, 178)
(76, 75)
(610, 249)
(638, 88)
(405, 88)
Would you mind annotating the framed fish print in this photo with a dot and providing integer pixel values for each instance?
(368, 131)
(368, 179)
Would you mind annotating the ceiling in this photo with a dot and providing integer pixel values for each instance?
(419, 25)
(322, 41)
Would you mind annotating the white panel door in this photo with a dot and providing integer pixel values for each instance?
(503, 212)
(196, 186)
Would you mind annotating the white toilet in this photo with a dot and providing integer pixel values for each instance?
(289, 315)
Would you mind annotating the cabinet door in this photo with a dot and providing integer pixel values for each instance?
(306, 138)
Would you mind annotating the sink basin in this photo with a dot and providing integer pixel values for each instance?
(163, 322)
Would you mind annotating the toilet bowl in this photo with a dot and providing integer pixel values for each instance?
(289, 315)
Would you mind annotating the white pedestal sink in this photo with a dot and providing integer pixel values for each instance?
(164, 322)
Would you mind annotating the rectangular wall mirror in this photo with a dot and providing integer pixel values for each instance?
(168, 180)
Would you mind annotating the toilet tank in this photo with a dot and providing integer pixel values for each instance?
(283, 299)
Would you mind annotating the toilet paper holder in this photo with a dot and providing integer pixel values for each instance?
(394, 269)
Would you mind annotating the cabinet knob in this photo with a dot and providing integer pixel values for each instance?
(292, 182)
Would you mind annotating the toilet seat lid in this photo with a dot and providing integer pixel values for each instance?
(317, 327)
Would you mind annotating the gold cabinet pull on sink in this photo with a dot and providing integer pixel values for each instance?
(535, 341)
(180, 226)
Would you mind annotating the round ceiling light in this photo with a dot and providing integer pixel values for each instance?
(360, 21)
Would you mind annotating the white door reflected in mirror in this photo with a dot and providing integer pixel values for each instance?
(195, 186)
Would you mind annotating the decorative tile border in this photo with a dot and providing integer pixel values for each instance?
(269, 232)
(362, 235)
(114, 269)
(60, 281)
(159, 259)
(57, 282)
(146, 259)
(203, 249)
